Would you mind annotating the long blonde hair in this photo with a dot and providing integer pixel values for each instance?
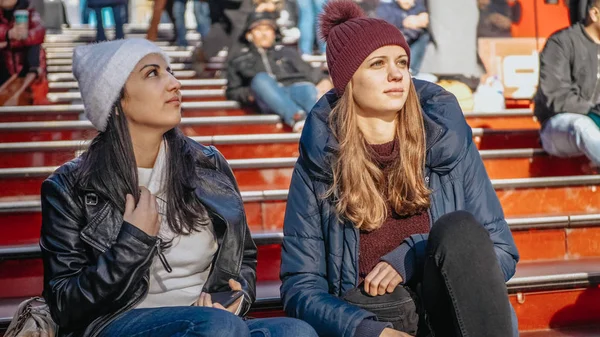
(358, 183)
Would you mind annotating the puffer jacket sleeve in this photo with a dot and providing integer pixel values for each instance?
(78, 287)
(304, 288)
(247, 276)
(481, 201)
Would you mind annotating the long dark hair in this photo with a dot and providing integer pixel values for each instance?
(109, 167)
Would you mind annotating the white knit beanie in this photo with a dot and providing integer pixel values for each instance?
(102, 70)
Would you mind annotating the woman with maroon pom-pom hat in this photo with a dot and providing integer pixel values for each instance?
(392, 226)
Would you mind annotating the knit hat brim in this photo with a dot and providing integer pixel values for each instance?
(102, 69)
(351, 37)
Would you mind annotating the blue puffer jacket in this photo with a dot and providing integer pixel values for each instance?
(319, 261)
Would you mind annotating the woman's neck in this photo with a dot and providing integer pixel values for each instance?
(377, 129)
(145, 147)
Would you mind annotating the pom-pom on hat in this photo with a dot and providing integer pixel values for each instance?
(101, 69)
(351, 36)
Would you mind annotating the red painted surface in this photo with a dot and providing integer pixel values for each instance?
(269, 261)
(541, 244)
(550, 18)
(518, 140)
(20, 228)
(503, 123)
(583, 242)
(21, 278)
(558, 309)
(550, 201)
(535, 166)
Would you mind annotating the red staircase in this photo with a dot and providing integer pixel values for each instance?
(551, 204)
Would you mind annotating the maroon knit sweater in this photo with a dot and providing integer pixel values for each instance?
(396, 228)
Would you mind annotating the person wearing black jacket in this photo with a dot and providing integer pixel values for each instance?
(567, 103)
(143, 227)
(273, 77)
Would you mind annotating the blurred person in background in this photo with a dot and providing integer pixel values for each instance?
(496, 17)
(453, 29)
(272, 77)
(567, 103)
(21, 47)
(308, 13)
(410, 16)
(228, 19)
(159, 7)
(118, 10)
(201, 13)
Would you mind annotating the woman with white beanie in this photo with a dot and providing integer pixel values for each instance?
(143, 227)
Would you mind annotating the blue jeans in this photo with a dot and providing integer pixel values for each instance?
(85, 12)
(308, 13)
(201, 321)
(180, 30)
(417, 52)
(285, 101)
(569, 134)
(202, 14)
(118, 17)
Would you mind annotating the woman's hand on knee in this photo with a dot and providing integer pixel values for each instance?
(382, 279)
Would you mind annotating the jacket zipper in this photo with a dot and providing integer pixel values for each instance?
(107, 320)
(265, 61)
(162, 257)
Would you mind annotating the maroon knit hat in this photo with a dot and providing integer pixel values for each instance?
(351, 36)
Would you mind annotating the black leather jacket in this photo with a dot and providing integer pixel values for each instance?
(96, 266)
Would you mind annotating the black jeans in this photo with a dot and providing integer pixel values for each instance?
(462, 292)
(463, 288)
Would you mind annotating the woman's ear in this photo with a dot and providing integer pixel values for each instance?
(249, 37)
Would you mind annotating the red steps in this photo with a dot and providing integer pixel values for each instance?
(278, 177)
(233, 147)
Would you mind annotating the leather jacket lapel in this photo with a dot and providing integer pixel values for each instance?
(220, 198)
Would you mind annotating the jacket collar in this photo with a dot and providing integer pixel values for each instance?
(212, 187)
(580, 27)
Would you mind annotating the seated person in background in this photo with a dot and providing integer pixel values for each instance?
(273, 77)
(21, 45)
(568, 96)
(411, 17)
(496, 17)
